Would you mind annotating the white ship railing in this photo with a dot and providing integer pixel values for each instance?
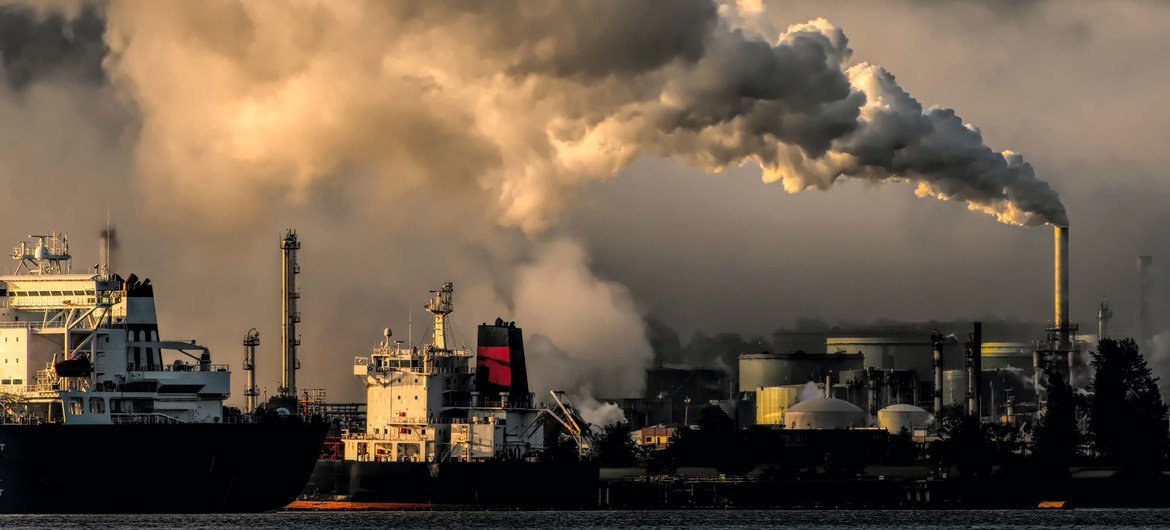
(152, 418)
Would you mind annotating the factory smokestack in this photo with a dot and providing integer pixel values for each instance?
(1060, 300)
(1145, 264)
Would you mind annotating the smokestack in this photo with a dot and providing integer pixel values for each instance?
(1060, 300)
(936, 343)
(974, 369)
(1145, 264)
(289, 314)
(108, 244)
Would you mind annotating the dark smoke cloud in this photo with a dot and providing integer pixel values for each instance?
(36, 46)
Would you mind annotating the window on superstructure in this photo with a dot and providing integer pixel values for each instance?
(75, 407)
(18, 381)
(5, 381)
(55, 293)
(97, 405)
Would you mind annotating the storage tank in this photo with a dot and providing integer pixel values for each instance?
(954, 388)
(998, 355)
(771, 402)
(824, 413)
(778, 369)
(895, 418)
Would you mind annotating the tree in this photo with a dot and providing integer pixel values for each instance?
(1057, 437)
(962, 443)
(1127, 418)
(615, 447)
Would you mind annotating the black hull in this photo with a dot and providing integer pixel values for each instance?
(178, 468)
(487, 484)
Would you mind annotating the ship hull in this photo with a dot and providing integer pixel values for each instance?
(483, 484)
(170, 468)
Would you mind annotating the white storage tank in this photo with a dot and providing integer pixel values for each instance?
(824, 413)
(895, 418)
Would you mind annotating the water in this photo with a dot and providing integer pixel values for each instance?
(708, 519)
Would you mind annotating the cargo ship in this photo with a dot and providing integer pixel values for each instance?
(449, 427)
(99, 414)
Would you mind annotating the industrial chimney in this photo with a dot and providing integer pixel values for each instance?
(1145, 265)
(1060, 300)
(289, 314)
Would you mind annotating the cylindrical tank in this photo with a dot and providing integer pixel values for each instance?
(896, 418)
(1018, 355)
(778, 369)
(771, 402)
(824, 413)
(954, 387)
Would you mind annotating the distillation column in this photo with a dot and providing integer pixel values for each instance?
(936, 344)
(974, 369)
(251, 340)
(1104, 314)
(289, 314)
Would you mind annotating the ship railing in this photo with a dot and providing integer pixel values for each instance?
(394, 436)
(151, 418)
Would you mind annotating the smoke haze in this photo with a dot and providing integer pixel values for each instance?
(412, 144)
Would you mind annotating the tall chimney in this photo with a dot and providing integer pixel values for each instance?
(289, 314)
(1145, 264)
(1060, 300)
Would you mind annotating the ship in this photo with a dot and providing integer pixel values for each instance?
(99, 414)
(446, 426)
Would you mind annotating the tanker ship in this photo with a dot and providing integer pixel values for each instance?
(445, 426)
(100, 415)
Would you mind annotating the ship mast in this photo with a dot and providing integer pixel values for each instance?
(440, 306)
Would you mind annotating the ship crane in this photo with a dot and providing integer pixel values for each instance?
(567, 415)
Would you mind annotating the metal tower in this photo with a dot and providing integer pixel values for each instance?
(251, 340)
(289, 314)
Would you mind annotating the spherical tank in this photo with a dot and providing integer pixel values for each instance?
(824, 413)
(895, 418)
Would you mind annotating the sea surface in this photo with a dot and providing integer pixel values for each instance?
(707, 519)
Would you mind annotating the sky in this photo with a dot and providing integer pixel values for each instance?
(579, 167)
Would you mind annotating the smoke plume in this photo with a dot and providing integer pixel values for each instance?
(446, 127)
(535, 100)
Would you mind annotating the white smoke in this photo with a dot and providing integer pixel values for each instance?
(590, 337)
(810, 391)
(523, 103)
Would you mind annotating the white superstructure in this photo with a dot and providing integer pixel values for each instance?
(85, 348)
(422, 404)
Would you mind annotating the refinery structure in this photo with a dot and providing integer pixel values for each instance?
(900, 376)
